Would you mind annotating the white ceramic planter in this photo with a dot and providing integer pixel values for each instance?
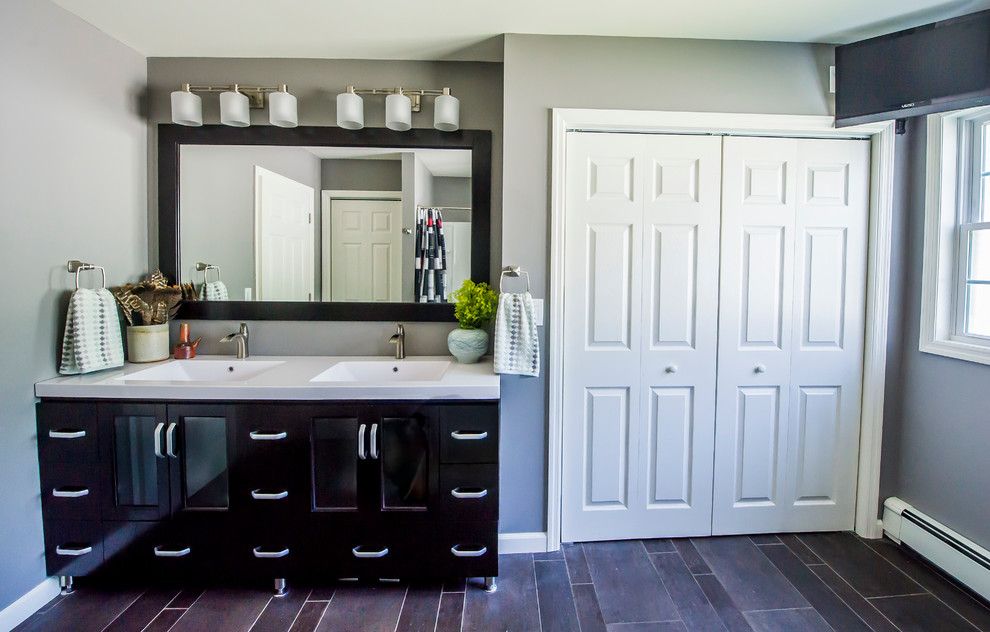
(467, 345)
(147, 343)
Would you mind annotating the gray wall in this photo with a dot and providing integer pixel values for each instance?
(451, 191)
(542, 72)
(936, 426)
(72, 172)
(345, 174)
(217, 207)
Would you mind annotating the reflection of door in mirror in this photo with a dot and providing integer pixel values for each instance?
(284, 238)
(457, 236)
(366, 250)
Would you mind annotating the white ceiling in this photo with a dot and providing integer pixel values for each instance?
(463, 29)
(451, 163)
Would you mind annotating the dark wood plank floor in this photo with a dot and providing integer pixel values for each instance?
(791, 583)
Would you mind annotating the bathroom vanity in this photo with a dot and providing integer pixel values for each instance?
(272, 469)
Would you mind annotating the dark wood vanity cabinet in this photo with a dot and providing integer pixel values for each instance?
(364, 490)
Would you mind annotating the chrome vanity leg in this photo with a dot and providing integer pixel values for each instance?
(65, 581)
(280, 588)
(490, 585)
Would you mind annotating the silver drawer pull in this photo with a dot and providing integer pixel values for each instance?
(66, 434)
(460, 435)
(73, 551)
(457, 492)
(258, 435)
(160, 552)
(70, 493)
(260, 554)
(257, 494)
(358, 553)
(458, 552)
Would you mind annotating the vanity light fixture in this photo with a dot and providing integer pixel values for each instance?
(236, 103)
(400, 103)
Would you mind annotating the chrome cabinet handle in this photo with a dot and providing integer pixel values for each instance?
(70, 493)
(260, 554)
(66, 434)
(170, 440)
(760, 368)
(373, 442)
(158, 440)
(459, 552)
(361, 453)
(160, 552)
(460, 435)
(257, 494)
(358, 553)
(458, 493)
(73, 551)
(258, 435)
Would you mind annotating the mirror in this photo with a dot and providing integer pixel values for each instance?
(330, 224)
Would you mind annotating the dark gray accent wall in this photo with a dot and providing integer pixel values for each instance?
(346, 174)
(936, 423)
(73, 176)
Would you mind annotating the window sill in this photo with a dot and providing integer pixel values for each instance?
(958, 350)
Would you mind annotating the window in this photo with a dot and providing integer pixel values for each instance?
(955, 312)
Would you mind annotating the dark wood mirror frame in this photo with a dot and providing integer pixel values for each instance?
(172, 137)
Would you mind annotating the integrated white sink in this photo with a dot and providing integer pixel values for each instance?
(385, 371)
(203, 371)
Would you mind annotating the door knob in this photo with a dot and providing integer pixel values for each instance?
(671, 369)
(760, 368)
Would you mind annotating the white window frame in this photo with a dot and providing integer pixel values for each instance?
(951, 194)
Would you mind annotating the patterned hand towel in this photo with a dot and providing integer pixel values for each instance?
(517, 345)
(213, 291)
(92, 339)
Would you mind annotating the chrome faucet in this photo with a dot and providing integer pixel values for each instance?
(399, 340)
(242, 341)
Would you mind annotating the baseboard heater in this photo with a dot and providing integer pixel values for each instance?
(964, 560)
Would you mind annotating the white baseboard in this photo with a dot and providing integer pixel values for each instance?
(528, 542)
(28, 604)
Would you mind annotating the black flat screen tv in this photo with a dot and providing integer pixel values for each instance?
(932, 68)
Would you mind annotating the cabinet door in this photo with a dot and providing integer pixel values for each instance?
(339, 457)
(402, 445)
(132, 444)
(198, 441)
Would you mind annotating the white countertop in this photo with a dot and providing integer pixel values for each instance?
(287, 381)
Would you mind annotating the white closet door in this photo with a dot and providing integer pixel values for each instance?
(794, 222)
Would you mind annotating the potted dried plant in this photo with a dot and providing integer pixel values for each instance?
(474, 308)
(148, 306)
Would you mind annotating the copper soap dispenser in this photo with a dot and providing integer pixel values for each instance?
(185, 349)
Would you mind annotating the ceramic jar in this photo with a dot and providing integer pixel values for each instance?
(467, 345)
(147, 343)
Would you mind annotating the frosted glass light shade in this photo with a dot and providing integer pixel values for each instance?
(350, 111)
(446, 113)
(282, 109)
(187, 108)
(234, 109)
(398, 112)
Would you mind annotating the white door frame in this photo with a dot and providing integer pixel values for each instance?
(881, 136)
(327, 196)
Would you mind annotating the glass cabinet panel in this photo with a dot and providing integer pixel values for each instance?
(405, 458)
(135, 462)
(335, 463)
(206, 471)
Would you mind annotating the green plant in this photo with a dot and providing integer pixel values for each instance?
(474, 304)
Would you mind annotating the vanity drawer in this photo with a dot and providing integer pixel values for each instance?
(469, 434)
(469, 492)
(267, 549)
(70, 491)
(468, 549)
(168, 548)
(67, 433)
(73, 547)
(370, 551)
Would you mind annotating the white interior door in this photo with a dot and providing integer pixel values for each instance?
(457, 238)
(791, 311)
(642, 227)
(365, 250)
(284, 238)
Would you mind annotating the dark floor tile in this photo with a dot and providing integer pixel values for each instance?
(921, 613)
(934, 581)
(165, 620)
(799, 548)
(309, 616)
(751, 580)
(768, 538)
(799, 620)
(577, 564)
(364, 608)
(451, 612)
(629, 589)
(223, 610)
(859, 565)
(514, 606)
(731, 617)
(88, 609)
(662, 545)
(655, 626)
(690, 556)
(186, 598)
(588, 612)
(549, 555)
(279, 614)
(835, 611)
(454, 585)
(693, 606)
(419, 612)
(866, 611)
(553, 587)
(322, 593)
(141, 612)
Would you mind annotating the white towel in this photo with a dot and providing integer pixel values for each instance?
(92, 339)
(517, 345)
(213, 291)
